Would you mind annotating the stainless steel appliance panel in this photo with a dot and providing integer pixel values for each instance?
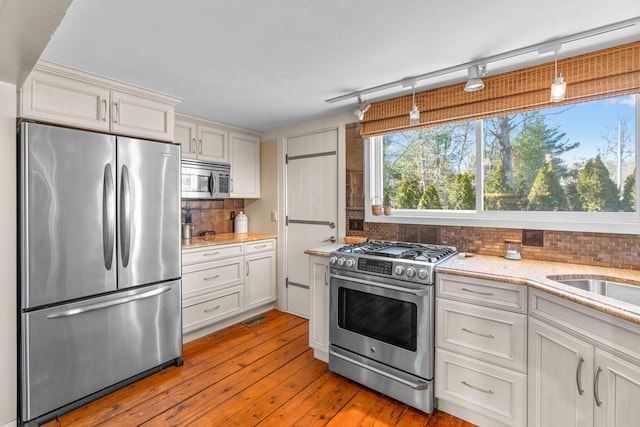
(400, 385)
(377, 306)
(78, 349)
(68, 214)
(148, 181)
(205, 180)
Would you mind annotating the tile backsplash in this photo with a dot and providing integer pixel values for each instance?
(600, 249)
(212, 215)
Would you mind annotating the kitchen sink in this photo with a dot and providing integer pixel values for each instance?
(618, 291)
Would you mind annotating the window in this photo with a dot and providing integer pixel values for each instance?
(570, 167)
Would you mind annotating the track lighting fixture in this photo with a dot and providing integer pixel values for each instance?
(414, 114)
(559, 86)
(475, 82)
(362, 108)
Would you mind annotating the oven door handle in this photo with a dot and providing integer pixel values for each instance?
(416, 386)
(417, 292)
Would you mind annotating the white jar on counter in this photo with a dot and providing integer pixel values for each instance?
(241, 223)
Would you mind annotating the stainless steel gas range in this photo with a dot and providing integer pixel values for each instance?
(381, 325)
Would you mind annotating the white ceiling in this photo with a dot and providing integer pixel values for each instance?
(264, 64)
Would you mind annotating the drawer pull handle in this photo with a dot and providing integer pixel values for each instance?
(579, 376)
(260, 246)
(212, 277)
(596, 379)
(211, 253)
(477, 333)
(211, 310)
(476, 292)
(477, 388)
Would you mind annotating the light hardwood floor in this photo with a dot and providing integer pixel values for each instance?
(263, 375)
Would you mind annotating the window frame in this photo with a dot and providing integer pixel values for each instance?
(608, 222)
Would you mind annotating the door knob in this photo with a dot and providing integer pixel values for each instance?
(331, 239)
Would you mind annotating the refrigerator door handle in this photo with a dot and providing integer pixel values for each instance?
(108, 216)
(125, 216)
(102, 305)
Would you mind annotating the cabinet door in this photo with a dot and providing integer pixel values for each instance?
(617, 388)
(139, 116)
(213, 144)
(63, 100)
(185, 135)
(319, 319)
(560, 366)
(245, 165)
(260, 275)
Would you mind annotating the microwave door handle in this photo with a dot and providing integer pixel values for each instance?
(212, 184)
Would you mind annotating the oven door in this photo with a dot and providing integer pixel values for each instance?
(383, 319)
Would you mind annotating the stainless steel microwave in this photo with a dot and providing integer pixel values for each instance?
(205, 180)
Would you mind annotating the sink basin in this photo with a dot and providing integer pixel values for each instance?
(618, 291)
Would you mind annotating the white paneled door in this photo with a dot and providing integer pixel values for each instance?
(311, 208)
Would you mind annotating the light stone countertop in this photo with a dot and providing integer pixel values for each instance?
(534, 274)
(324, 251)
(224, 238)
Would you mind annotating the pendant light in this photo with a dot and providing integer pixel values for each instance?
(559, 86)
(414, 115)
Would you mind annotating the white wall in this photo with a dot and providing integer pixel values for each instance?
(259, 210)
(8, 276)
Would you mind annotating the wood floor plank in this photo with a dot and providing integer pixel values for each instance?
(182, 404)
(261, 375)
(261, 406)
(320, 407)
(218, 414)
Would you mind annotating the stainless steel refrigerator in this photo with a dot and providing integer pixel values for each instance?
(99, 246)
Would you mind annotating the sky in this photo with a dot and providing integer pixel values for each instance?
(588, 122)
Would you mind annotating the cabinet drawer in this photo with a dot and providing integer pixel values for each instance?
(495, 392)
(207, 309)
(487, 334)
(216, 275)
(210, 253)
(484, 292)
(259, 246)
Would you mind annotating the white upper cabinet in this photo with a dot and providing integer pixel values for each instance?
(62, 95)
(185, 135)
(202, 139)
(245, 165)
(213, 144)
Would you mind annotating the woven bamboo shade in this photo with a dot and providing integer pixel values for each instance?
(603, 74)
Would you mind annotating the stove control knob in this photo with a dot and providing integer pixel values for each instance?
(422, 273)
(333, 259)
(399, 270)
(341, 262)
(411, 272)
(350, 262)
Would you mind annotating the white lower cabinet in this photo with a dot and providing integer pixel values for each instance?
(560, 372)
(225, 284)
(480, 392)
(319, 318)
(584, 366)
(481, 350)
(260, 271)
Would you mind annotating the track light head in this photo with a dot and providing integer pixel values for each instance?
(475, 83)
(362, 108)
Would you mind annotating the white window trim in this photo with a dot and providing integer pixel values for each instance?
(605, 222)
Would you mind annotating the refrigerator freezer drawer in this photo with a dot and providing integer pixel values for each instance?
(73, 350)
